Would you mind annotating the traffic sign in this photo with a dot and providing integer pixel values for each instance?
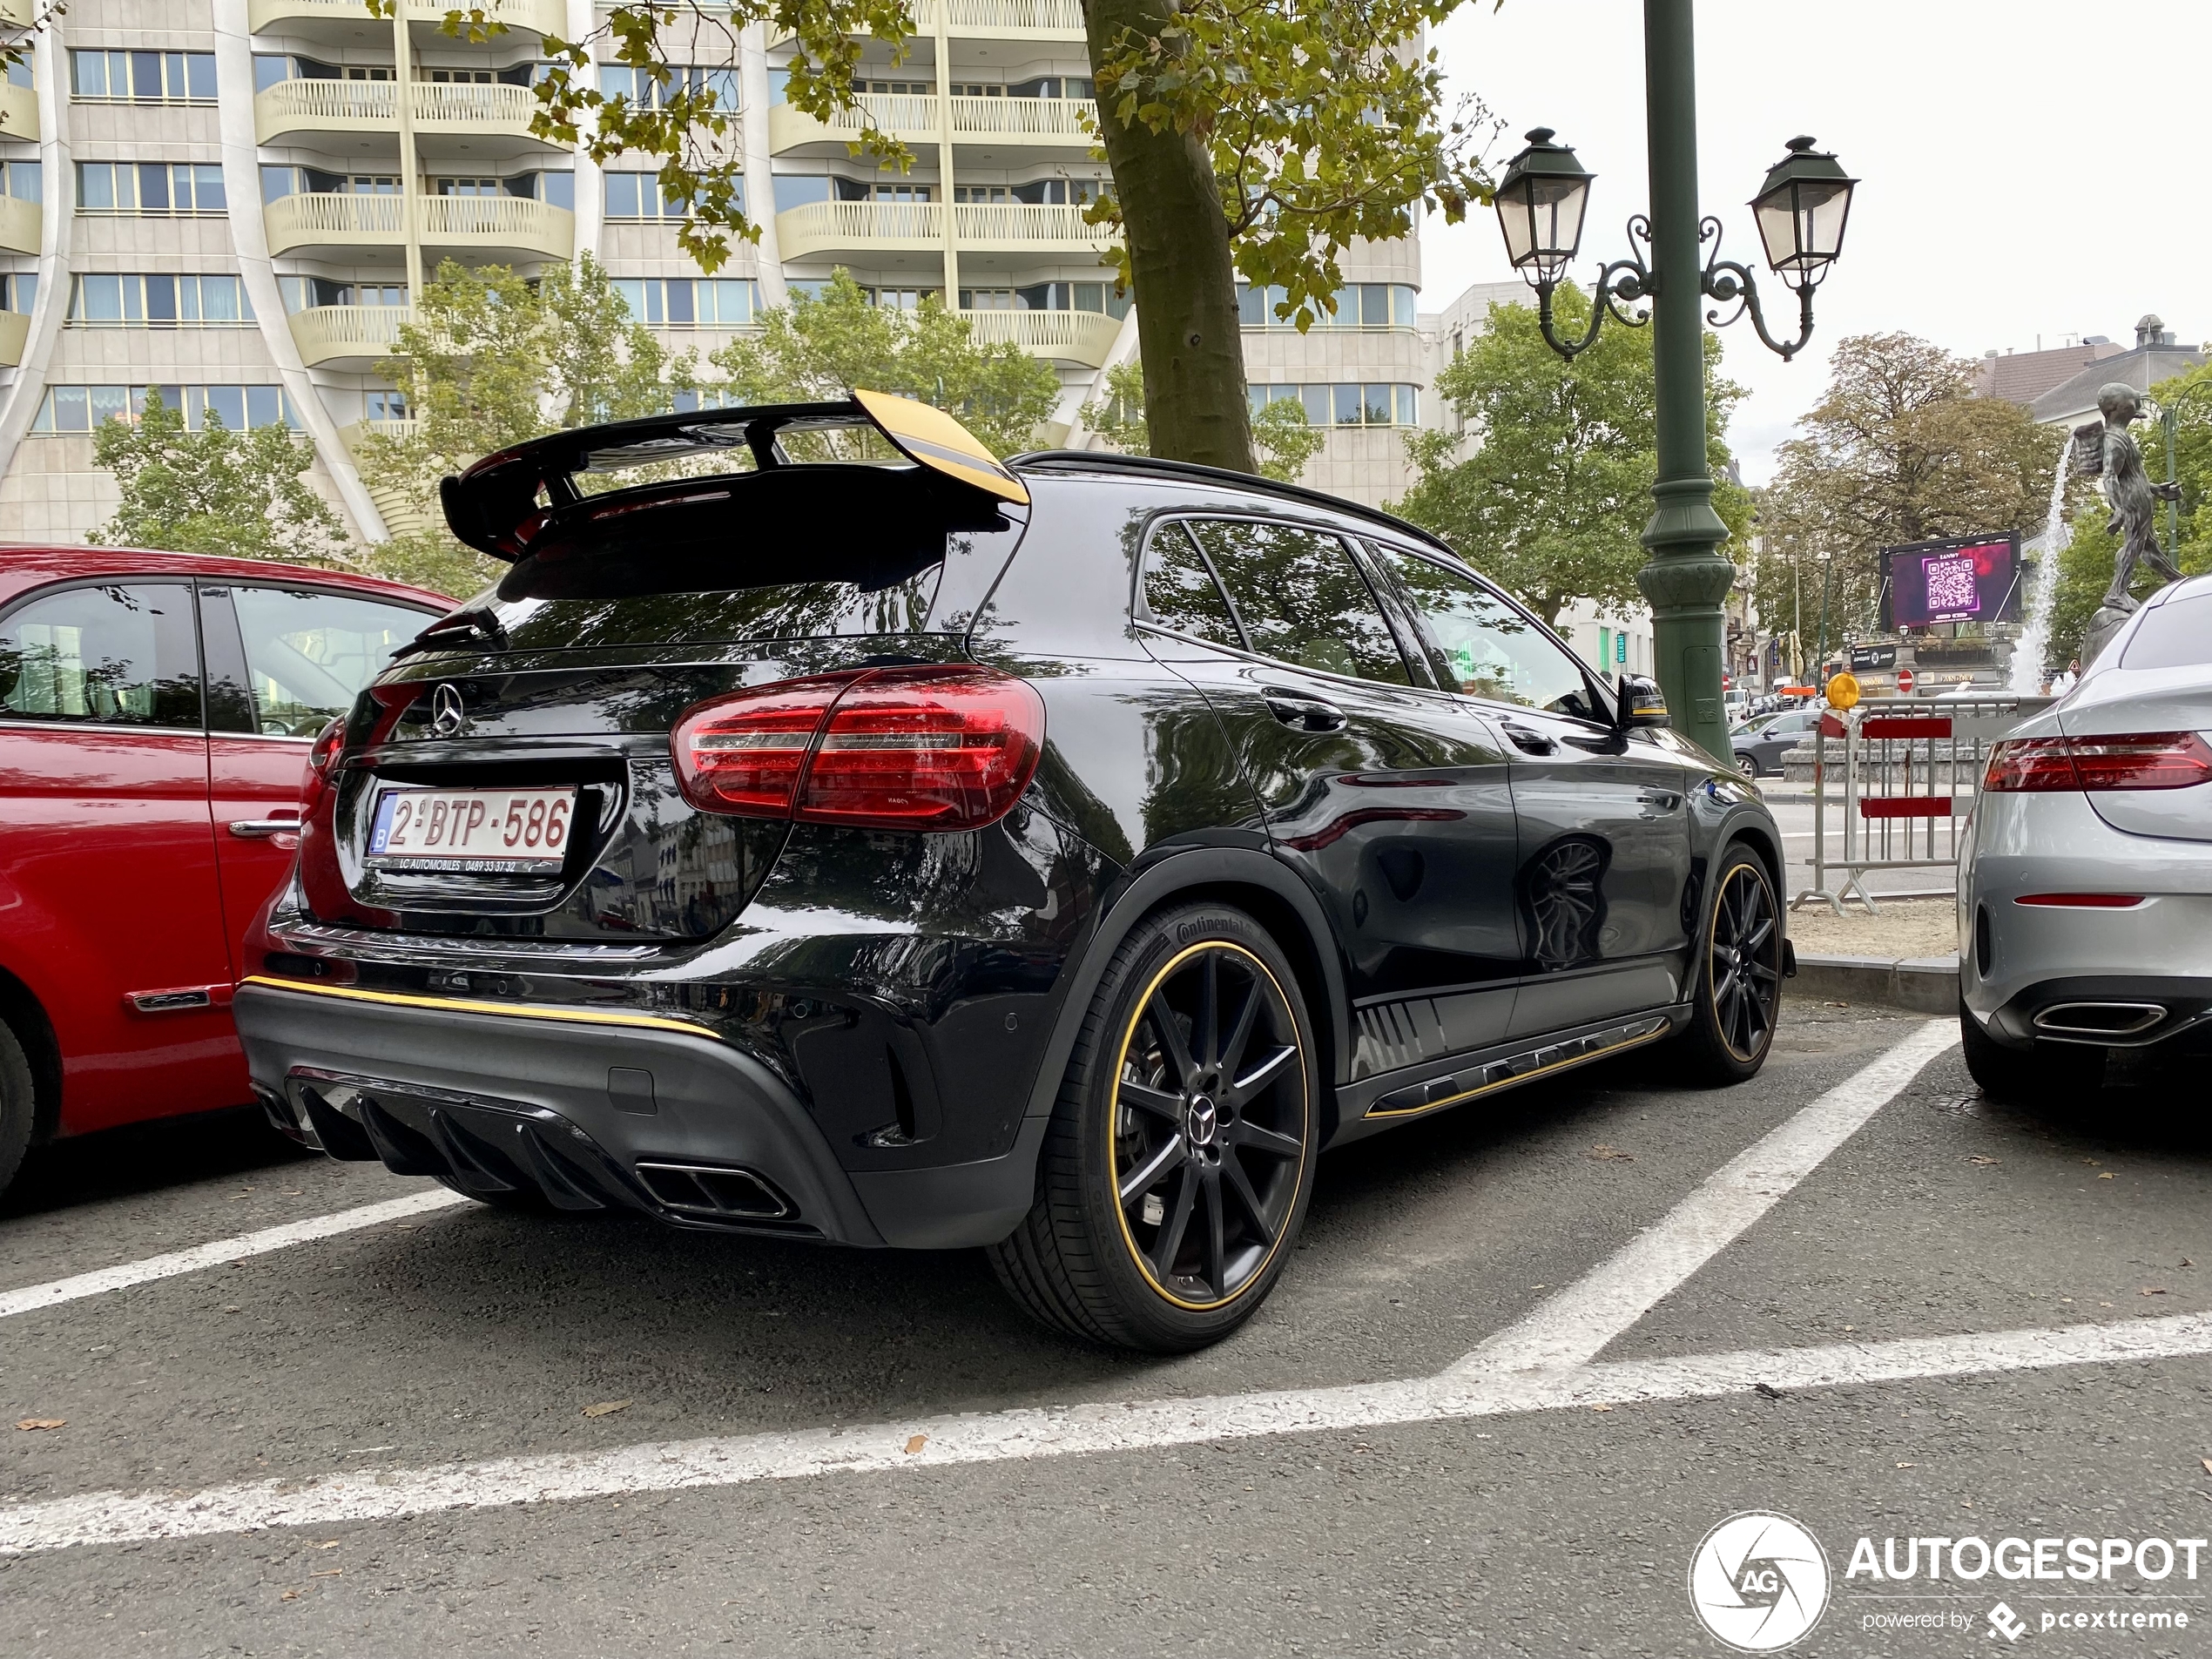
(1904, 681)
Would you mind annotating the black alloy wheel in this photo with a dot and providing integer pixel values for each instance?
(1209, 1130)
(1180, 1158)
(1739, 972)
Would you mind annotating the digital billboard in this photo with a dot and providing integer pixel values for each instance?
(1971, 579)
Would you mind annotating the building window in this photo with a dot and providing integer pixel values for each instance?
(642, 91)
(1344, 403)
(144, 301)
(143, 77)
(81, 409)
(19, 291)
(637, 195)
(691, 302)
(25, 180)
(168, 188)
(1364, 305)
(900, 89)
(305, 292)
(384, 406)
(1049, 296)
(279, 182)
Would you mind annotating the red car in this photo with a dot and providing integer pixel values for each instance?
(156, 710)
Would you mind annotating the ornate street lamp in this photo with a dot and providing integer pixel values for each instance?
(1801, 211)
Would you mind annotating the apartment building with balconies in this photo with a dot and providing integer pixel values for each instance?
(232, 201)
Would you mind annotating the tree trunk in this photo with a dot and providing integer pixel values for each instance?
(1195, 400)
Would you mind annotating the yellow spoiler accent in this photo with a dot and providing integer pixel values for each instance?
(931, 438)
(461, 1005)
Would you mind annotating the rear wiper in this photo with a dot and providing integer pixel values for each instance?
(463, 628)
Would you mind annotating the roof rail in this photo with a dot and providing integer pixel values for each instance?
(1108, 461)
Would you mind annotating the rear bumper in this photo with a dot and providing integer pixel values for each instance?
(676, 1123)
(2162, 1014)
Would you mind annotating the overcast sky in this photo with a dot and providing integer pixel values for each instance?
(2028, 167)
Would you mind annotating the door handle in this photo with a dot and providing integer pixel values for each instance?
(1305, 713)
(1527, 739)
(255, 829)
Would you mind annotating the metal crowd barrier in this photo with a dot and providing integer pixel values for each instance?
(1911, 767)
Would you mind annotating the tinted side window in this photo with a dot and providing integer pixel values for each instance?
(2177, 634)
(307, 655)
(126, 655)
(1180, 591)
(1301, 598)
(1482, 646)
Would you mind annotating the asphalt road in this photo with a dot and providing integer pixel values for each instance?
(1555, 1513)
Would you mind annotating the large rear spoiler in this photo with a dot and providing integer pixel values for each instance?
(508, 502)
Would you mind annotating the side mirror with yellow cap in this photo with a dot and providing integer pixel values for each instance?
(1641, 703)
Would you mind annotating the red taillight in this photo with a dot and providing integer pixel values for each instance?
(323, 752)
(744, 752)
(948, 748)
(2135, 760)
(2024, 764)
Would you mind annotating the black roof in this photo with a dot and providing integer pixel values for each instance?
(1107, 460)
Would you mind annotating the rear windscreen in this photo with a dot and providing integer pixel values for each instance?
(2177, 634)
(779, 610)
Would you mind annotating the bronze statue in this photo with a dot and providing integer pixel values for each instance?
(2107, 450)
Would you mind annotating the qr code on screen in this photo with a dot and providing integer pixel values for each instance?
(1951, 586)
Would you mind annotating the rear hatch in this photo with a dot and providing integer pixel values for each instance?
(2159, 697)
(510, 776)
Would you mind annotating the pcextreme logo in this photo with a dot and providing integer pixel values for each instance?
(1759, 1582)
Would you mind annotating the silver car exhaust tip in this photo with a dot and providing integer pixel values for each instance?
(2097, 1021)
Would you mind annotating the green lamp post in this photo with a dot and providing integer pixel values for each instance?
(1800, 210)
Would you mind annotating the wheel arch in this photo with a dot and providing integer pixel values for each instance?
(1252, 882)
(23, 1014)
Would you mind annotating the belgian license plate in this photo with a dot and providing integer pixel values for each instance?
(473, 831)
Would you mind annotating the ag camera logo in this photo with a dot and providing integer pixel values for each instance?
(1759, 1582)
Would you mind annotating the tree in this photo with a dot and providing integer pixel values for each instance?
(1553, 500)
(214, 490)
(820, 346)
(1899, 449)
(1253, 136)
(1282, 444)
(490, 360)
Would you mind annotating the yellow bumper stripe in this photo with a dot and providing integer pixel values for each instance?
(461, 1005)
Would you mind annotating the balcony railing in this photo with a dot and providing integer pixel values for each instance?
(909, 116)
(373, 106)
(1039, 17)
(1061, 119)
(332, 334)
(18, 112)
(539, 17)
(1063, 336)
(502, 224)
(1045, 227)
(822, 227)
(19, 226)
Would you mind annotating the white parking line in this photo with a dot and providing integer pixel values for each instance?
(934, 1442)
(1573, 1327)
(31, 1297)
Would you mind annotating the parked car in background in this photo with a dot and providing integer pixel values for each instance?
(1052, 857)
(2085, 886)
(156, 713)
(1761, 742)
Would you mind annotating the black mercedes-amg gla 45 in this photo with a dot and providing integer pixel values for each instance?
(845, 836)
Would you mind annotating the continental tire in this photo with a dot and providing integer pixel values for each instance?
(1176, 1171)
(18, 1106)
(1736, 989)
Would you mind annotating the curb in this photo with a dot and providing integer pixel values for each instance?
(1923, 984)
